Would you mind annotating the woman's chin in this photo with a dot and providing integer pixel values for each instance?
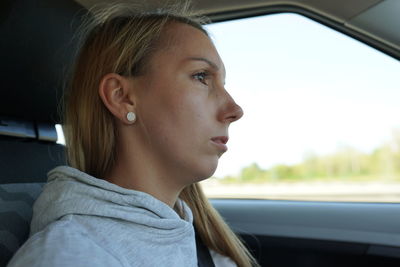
(199, 170)
(207, 172)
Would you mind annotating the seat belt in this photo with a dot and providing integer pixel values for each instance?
(204, 258)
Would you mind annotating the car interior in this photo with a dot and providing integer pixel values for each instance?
(37, 46)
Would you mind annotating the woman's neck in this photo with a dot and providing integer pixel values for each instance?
(143, 174)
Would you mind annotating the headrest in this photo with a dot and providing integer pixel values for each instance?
(36, 49)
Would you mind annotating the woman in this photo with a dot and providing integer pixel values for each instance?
(146, 118)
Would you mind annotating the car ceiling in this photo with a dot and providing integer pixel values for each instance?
(332, 8)
(375, 22)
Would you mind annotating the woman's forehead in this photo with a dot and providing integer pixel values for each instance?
(181, 41)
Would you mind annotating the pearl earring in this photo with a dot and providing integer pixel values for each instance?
(131, 117)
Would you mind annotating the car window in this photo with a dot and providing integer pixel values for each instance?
(60, 135)
(321, 113)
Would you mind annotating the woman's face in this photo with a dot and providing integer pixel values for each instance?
(183, 108)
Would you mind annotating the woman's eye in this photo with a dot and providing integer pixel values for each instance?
(201, 76)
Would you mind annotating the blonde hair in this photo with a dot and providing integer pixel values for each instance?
(120, 40)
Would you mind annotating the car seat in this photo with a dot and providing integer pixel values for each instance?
(35, 50)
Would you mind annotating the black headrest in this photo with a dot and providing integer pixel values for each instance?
(36, 49)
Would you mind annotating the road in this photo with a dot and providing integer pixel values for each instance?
(324, 191)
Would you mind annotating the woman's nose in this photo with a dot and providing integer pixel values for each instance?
(231, 111)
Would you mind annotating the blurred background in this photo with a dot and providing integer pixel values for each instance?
(321, 113)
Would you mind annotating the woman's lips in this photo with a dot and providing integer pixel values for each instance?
(220, 142)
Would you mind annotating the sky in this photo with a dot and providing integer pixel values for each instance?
(304, 88)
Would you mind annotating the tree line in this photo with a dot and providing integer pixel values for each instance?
(346, 163)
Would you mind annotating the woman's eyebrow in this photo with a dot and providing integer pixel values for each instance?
(209, 62)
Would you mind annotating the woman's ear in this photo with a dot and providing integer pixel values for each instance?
(115, 92)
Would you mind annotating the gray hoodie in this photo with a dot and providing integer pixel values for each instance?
(80, 220)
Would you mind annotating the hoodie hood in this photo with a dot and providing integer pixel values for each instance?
(72, 192)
